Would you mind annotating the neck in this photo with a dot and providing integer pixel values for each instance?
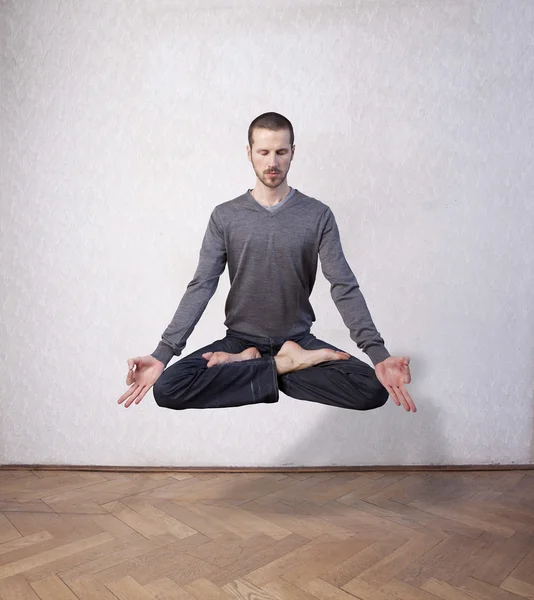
(270, 196)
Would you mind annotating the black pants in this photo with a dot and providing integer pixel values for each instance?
(188, 383)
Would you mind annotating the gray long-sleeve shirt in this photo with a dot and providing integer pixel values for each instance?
(272, 258)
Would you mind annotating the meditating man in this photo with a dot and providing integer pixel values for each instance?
(272, 238)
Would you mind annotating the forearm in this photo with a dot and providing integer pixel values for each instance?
(346, 293)
(187, 315)
(212, 262)
(355, 314)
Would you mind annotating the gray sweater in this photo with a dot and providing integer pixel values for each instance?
(272, 261)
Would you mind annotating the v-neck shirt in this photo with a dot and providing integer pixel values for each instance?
(272, 258)
(275, 207)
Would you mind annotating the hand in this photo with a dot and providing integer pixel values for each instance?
(147, 371)
(393, 373)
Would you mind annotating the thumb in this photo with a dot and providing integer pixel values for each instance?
(135, 363)
(407, 374)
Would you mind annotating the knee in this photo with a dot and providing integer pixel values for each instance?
(162, 393)
(378, 395)
(159, 392)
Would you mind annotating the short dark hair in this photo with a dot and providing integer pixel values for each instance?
(272, 121)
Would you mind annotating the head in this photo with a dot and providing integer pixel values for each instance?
(270, 148)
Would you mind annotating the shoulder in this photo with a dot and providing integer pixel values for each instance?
(233, 204)
(310, 203)
(225, 212)
(313, 205)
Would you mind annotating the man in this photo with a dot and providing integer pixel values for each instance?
(271, 237)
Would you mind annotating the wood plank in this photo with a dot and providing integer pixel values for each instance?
(504, 556)
(442, 562)
(445, 590)
(31, 562)
(325, 591)
(296, 520)
(24, 542)
(525, 569)
(8, 532)
(395, 562)
(16, 588)
(93, 560)
(283, 590)
(128, 589)
(480, 590)
(393, 590)
(53, 588)
(329, 556)
(87, 588)
(518, 587)
(203, 589)
(263, 557)
(167, 589)
(244, 590)
(275, 569)
(366, 558)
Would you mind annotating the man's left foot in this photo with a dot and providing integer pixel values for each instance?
(220, 358)
(293, 357)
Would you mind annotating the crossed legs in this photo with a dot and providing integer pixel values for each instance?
(232, 372)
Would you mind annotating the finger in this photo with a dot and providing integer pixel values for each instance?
(407, 378)
(407, 398)
(401, 400)
(393, 395)
(134, 396)
(128, 393)
(132, 363)
(344, 355)
(140, 397)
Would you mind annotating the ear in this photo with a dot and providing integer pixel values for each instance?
(292, 152)
(249, 150)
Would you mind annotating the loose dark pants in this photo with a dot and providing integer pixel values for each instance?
(189, 383)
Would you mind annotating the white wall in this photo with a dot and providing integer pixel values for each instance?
(124, 124)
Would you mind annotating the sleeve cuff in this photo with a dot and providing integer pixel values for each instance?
(163, 353)
(377, 354)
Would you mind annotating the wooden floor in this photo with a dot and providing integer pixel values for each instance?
(266, 536)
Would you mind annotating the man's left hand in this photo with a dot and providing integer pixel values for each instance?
(393, 373)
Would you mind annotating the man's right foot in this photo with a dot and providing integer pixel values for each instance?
(293, 357)
(220, 358)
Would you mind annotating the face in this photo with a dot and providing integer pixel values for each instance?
(271, 155)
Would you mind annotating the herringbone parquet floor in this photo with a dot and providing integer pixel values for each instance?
(458, 535)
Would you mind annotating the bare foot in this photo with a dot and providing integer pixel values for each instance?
(220, 358)
(293, 357)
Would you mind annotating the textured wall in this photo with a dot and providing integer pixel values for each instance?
(124, 124)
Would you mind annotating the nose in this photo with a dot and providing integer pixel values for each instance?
(273, 163)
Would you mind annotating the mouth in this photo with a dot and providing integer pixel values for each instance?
(273, 173)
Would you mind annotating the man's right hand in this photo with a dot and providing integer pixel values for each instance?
(143, 372)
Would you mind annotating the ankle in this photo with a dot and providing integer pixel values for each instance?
(284, 364)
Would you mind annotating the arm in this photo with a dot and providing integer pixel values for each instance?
(212, 262)
(346, 292)
(392, 371)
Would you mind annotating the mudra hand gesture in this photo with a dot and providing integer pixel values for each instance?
(393, 373)
(143, 372)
